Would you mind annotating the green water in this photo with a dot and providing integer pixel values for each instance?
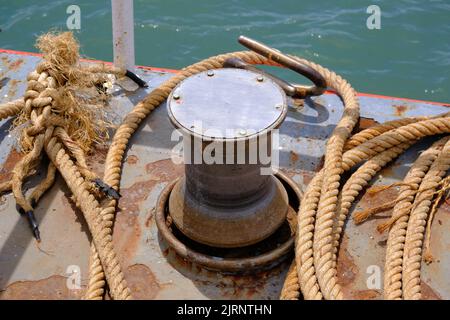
(408, 57)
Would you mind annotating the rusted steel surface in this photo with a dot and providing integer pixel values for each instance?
(152, 270)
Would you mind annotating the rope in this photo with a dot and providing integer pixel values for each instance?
(291, 285)
(304, 241)
(91, 209)
(359, 180)
(399, 221)
(11, 108)
(323, 237)
(412, 255)
(375, 131)
(306, 219)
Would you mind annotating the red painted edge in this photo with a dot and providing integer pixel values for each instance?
(379, 96)
(369, 95)
(34, 54)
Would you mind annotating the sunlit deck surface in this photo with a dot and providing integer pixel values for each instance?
(151, 269)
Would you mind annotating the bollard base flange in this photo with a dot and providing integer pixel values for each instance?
(263, 255)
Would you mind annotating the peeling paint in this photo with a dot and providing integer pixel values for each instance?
(52, 288)
(6, 171)
(142, 282)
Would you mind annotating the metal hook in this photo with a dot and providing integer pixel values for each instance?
(289, 62)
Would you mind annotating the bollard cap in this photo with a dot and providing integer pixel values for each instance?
(227, 104)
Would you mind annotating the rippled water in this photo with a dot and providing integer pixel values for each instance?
(408, 57)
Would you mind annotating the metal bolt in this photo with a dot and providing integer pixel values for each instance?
(278, 106)
(176, 96)
(260, 78)
(210, 73)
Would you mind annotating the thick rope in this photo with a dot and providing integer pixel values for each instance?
(291, 285)
(304, 240)
(40, 107)
(323, 236)
(76, 152)
(80, 189)
(399, 221)
(44, 185)
(412, 255)
(357, 182)
(10, 109)
(91, 209)
(326, 213)
(304, 249)
(376, 130)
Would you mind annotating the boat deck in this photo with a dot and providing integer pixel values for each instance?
(151, 269)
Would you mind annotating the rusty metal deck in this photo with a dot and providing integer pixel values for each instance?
(152, 270)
